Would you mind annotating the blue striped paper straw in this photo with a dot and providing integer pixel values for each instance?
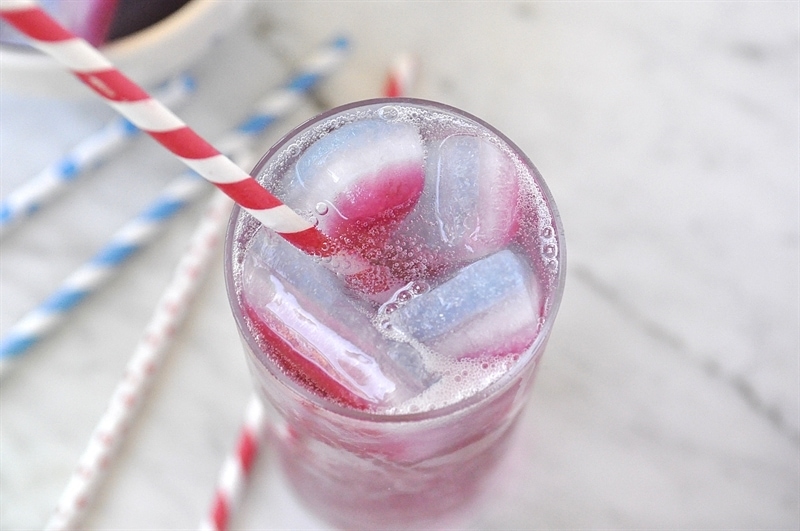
(42, 320)
(86, 155)
(142, 369)
(99, 269)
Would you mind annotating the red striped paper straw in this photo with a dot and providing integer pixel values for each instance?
(401, 76)
(237, 467)
(141, 369)
(149, 115)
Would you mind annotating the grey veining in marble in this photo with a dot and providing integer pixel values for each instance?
(669, 396)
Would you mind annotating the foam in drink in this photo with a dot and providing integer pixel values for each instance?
(394, 404)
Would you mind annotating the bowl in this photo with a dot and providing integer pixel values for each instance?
(149, 56)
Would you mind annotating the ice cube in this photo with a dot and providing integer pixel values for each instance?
(476, 195)
(361, 180)
(299, 306)
(471, 209)
(490, 307)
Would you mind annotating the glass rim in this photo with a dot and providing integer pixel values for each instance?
(496, 388)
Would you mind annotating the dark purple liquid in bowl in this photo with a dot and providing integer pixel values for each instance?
(101, 22)
(131, 16)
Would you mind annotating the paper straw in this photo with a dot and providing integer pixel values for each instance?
(149, 115)
(143, 229)
(237, 467)
(88, 154)
(159, 122)
(401, 76)
(89, 277)
(129, 393)
(142, 368)
(238, 464)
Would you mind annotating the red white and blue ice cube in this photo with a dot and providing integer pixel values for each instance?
(471, 208)
(361, 180)
(325, 337)
(489, 308)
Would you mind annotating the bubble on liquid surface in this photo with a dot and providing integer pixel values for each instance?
(293, 150)
(419, 287)
(403, 296)
(389, 113)
(550, 250)
(321, 208)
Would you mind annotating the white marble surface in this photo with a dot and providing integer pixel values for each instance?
(668, 133)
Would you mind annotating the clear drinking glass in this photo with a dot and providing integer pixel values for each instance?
(425, 464)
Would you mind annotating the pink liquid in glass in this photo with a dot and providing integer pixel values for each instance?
(393, 404)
